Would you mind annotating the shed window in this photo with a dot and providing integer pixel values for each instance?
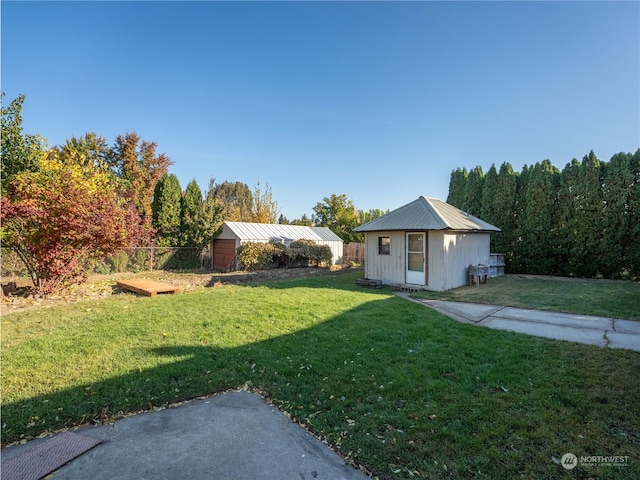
(384, 245)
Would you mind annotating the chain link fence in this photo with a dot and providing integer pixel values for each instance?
(131, 260)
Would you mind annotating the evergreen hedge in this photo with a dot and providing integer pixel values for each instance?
(582, 221)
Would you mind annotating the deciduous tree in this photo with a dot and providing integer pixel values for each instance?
(264, 208)
(137, 162)
(57, 218)
(338, 213)
(20, 152)
(236, 199)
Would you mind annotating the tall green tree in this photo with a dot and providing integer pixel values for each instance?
(457, 188)
(236, 199)
(473, 191)
(587, 206)
(20, 152)
(303, 221)
(498, 207)
(339, 214)
(633, 251)
(166, 208)
(371, 214)
(535, 232)
(565, 234)
(190, 206)
(201, 218)
(615, 222)
(522, 185)
(583, 221)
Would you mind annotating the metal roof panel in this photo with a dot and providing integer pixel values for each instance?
(427, 214)
(287, 233)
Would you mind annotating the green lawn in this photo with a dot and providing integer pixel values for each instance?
(617, 299)
(393, 385)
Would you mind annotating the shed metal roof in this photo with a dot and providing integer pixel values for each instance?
(287, 233)
(427, 213)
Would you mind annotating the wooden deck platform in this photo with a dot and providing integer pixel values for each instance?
(147, 287)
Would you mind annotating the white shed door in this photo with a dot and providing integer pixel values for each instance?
(416, 258)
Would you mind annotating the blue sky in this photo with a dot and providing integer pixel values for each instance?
(376, 100)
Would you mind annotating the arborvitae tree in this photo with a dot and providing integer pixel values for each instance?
(615, 222)
(190, 207)
(498, 207)
(488, 211)
(539, 222)
(166, 208)
(519, 249)
(583, 221)
(473, 192)
(585, 254)
(633, 250)
(457, 188)
(565, 235)
(201, 219)
(282, 220)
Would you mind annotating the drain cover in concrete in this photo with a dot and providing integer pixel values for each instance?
(48, 456)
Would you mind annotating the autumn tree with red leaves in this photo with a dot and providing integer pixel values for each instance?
(59, 217)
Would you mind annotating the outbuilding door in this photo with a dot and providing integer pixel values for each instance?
(416, 258)
(224, 253)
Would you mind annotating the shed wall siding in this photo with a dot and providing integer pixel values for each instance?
(461, 250)
(437, 262)
(387, 268)
(449, 255)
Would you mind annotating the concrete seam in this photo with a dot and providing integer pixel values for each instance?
(491, 314)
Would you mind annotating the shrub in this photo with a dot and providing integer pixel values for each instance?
(311, 251)
(301, 253)
(255, 255)
(119, 261)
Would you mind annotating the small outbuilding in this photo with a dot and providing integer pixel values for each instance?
(426, 244)
(233, 234)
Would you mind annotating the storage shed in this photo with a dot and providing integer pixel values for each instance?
(425, 244)
(233, 234)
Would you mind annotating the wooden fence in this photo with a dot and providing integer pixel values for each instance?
(353, 252)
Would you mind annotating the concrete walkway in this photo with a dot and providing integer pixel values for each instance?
(600, 331)
(233, 436)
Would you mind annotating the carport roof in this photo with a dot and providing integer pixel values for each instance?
(427, 213)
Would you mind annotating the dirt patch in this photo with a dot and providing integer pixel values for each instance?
(18, 297)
